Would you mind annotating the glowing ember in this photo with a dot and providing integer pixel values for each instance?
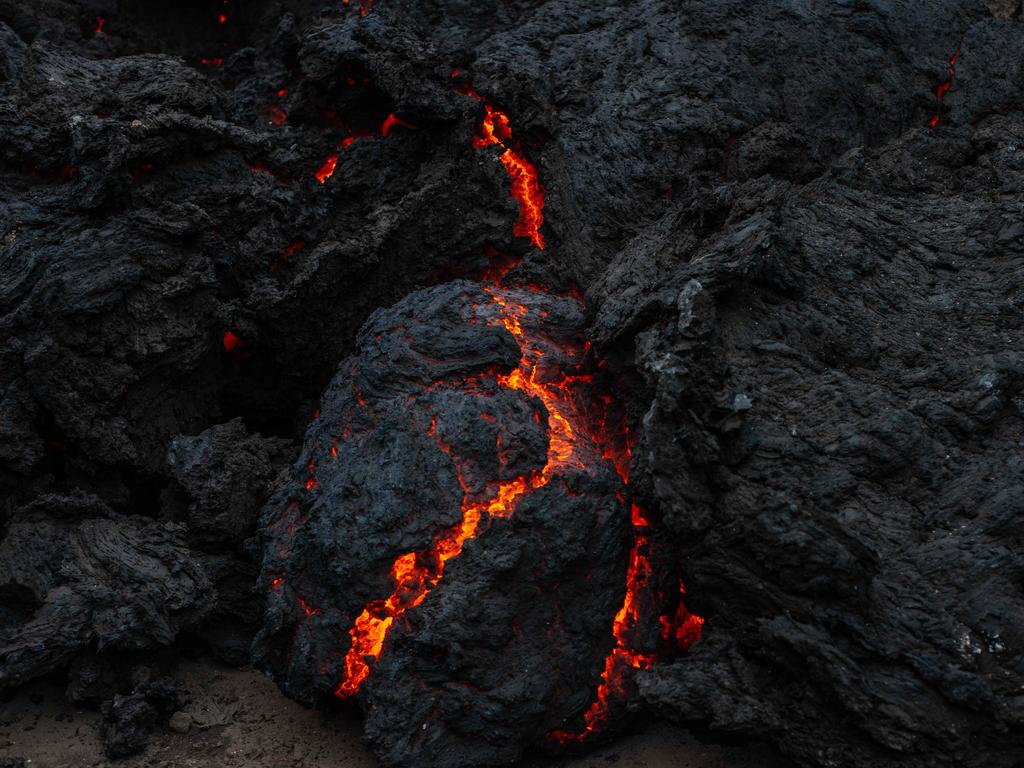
(212, 62)
(327, 169)
(100, 21)
(231, 342)
(277, 115)
(390, 122)
(943, 89)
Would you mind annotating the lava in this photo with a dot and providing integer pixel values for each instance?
(327, 169)
(415, 574)
(390, 123)
(943, 89)
(100, 21)
(684, 628)
(526, 186)
(277, 115)
(231, 342)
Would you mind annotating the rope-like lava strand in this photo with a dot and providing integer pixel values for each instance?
(414, 574)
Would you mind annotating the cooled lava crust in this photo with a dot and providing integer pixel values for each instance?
(458, 545)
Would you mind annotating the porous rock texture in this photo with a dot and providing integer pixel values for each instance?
(812, 298)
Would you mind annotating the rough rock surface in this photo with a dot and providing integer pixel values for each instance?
(507, 642)
(75, 575)
(810, 295)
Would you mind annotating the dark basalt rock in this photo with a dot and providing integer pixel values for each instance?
(129, 719)
(76, 575)
(811, 300)
(227, 474)
(509, 644)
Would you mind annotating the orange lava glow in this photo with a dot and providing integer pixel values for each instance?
(526, 187)
(327, 169)
(685, 629)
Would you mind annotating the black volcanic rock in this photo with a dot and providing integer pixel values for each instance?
(508, 645)
(227, 475)
(75, 575)
(809, 299)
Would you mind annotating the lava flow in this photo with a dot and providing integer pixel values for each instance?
(685, 628)
(526, 186)
(943, 89)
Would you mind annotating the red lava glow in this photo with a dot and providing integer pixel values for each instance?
(684, 629)
(231, 342)
(943, 89)
(290, 251)
(277, 115)
(222, 19)
(327, 169)
(100, 21)
(365, 6)
(390, 122)
(526, 186)
(216, 61)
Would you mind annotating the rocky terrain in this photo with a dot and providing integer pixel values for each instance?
(764, 259)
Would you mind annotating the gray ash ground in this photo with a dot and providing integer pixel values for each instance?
(796, 233)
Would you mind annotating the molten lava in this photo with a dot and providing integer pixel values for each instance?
(684, 628)
(231, 342)
(327, 169)
(526, 186)
(943, 89)
(390, 123)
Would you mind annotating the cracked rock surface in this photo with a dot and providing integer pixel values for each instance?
(811, 302)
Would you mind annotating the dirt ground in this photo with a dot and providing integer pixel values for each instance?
(240, 719)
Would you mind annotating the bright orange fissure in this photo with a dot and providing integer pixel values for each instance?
(415, 574)
(685, 629)
(526, 186)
